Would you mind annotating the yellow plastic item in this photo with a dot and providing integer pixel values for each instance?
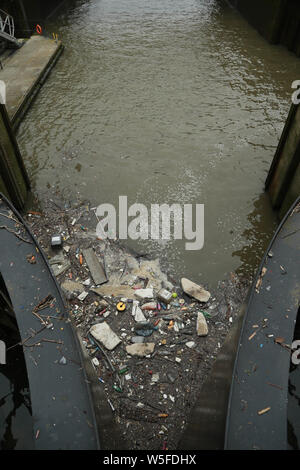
(121, 306)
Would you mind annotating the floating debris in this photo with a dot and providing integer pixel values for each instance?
(194, 290)
(56, 241)
(121, 306)
(137, 312)
(252, 336)
(140, 349)
(165, 296)
(143, 294)
(155, 308)
(265, 410)
(259, 281)
(83, 295)
(103, 333)
(202, 328)
(95, 267)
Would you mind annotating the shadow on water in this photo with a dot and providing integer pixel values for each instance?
(15, 405)
(258, 236)
(293, 421)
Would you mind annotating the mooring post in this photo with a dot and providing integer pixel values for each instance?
(14, 181)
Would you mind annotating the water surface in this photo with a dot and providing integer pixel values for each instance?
(166, 102)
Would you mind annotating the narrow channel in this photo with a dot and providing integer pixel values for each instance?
(165, 102)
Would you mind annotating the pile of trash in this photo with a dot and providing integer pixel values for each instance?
(152, 340)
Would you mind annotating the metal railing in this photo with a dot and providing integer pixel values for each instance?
(7, 27)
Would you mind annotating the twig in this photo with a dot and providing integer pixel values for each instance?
(33, 360)
(153, 406)
(10, 218)
(15, 233)
(276, 386)
(38, 316)
(46, 302)
(59, 341)
(22, 343)
(53, 316)
(291, 233)
(158, 356)
(108, 360)
(43, 340)
(33, 344)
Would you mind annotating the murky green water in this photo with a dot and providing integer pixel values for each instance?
(165, 101)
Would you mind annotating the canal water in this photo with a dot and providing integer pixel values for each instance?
(165, 101)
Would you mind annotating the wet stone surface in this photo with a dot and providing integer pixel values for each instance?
(153, 376)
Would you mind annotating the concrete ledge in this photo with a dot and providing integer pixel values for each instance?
(25, 72)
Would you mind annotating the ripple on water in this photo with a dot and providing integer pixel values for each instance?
(191, 94)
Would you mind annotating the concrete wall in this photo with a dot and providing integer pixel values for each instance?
(14, 182)
(264, 15)
(290, 27)
(292, 193)
(16, 10)
(28, 13)
(283, 181)
(277, 20)
(37, 10)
